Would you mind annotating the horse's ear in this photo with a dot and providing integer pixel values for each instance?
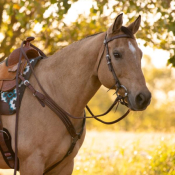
(116, 26)
(134, 27)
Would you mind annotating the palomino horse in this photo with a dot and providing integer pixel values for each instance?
(71, 77)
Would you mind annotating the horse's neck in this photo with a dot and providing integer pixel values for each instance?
(70, 75)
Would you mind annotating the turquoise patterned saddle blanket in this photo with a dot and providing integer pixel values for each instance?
(8, 99)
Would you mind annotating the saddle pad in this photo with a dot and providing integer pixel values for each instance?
(8, 99)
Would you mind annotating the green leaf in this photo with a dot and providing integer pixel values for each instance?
(172, 61)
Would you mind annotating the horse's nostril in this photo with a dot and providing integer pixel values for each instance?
(140, 99)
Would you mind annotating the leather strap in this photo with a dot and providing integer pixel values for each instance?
(59, 111)
(74, 140)
(45, 99)
(4, 149)
(108, 123)
(17, 115)
(48, 100)
(55, 108)
(52, 105)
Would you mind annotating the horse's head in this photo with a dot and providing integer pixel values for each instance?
(125, 57)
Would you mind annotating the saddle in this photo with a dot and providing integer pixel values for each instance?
(9, 66)
(8, 73)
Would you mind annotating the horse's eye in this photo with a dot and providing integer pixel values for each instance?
(117, 55)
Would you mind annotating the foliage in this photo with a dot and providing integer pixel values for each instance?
(18, 19)
(112, 153)
(139, 156)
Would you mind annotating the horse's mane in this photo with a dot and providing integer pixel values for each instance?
(93, 35)
(89, 36)
(123, 29)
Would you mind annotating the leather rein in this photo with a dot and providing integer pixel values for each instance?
(45, 100)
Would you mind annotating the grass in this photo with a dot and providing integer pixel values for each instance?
(125, 153)
(110, 153)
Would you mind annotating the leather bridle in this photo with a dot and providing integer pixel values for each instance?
(119, 99)
(45, 100)
(118, 85)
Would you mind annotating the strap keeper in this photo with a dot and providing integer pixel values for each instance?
(7, 154)
(75, 139)
(104, 42)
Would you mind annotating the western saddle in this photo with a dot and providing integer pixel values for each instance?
(8, 73)
(9, 66)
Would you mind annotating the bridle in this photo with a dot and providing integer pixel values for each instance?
(45, 100)
(119, 99)
(118, 85)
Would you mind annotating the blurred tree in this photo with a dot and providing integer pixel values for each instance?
(19, 18)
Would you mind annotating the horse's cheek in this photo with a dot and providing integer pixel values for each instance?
(105, 76)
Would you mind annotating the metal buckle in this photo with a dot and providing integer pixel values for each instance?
(34, 94)
(126, 93)
(107, 56)
(123, 87)
(104, 42)
(5, 133)
(26, 81)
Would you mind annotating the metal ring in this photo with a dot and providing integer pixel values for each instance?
(126, 93)
(107, 56)
(5, 133)
(26, 81)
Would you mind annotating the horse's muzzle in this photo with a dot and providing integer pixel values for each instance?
(140, 102)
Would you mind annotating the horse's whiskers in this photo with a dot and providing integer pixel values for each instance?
(116, 106)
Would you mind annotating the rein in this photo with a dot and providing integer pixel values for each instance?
(45, 100)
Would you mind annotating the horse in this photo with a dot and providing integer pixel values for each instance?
(71, 77)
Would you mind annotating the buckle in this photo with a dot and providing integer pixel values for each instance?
(107, 56)
(126, 93)
(26, 81)
(123, 87)
(2, 131)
